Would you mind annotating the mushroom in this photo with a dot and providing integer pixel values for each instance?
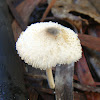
(46, 44)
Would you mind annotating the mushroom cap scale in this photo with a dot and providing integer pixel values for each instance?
(46, 44)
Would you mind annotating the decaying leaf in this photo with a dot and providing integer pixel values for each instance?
(63, 9)
(88, 7)
(84, 73)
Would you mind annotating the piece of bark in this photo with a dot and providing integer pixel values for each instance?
(24, 10)
(64, 82)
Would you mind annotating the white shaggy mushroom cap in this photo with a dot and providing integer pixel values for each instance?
(46, 44)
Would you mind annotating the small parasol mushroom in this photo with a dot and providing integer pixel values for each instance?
(46, 44)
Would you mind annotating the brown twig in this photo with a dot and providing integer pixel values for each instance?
(35, 76)
(86, 88)
(48, 9)
(49, 91)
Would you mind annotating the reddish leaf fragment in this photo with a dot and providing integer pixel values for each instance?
(90, 41)
(83, 72)
(79, 96)
(98, 30)
(93, 96)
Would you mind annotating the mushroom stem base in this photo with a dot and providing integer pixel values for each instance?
(50, 78)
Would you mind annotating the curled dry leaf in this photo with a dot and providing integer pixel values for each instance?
(87, 7)
(63, 9)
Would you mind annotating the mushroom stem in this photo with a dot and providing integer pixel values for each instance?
(50, 78)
